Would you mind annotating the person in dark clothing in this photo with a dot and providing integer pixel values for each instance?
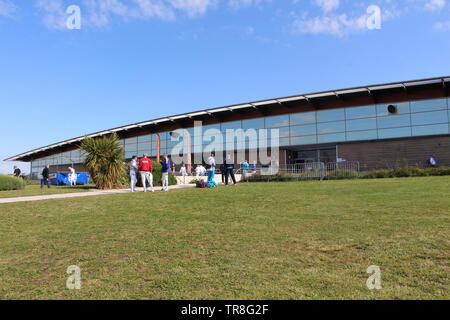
(223, 172)
(45, 177)
(17, 172)
(229, 170)
(432, 162)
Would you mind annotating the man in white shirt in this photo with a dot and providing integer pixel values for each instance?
(183, 171)
(72, 177)
(133, 168)
(198, 171)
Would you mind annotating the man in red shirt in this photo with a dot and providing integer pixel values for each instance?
(146, 169)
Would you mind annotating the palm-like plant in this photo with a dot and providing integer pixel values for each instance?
(105, 161)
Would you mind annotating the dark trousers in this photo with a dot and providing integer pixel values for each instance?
(229, 172)
(45, 182)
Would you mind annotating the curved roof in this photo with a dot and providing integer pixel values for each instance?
(370, 89)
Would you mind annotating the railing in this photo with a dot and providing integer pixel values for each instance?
(304, 171)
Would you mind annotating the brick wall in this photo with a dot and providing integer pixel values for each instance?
(399, 152)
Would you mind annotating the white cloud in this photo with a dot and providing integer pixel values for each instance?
(328, 5)
(98, 13)
(442, 26)
(338, 25)
(236, 4)
(435, 5)
(193, 7)
(6, 8)
(54, 15)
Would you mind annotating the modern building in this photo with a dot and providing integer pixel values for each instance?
(381, 126)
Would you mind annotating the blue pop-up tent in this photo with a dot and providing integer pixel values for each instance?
(63, 179)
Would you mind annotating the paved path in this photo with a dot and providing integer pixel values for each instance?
(83, 194)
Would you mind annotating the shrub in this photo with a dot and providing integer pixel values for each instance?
(408, 172)
(280, 176)
(351, 174)
(105, 161)
(443, 171)
(377, 174)
(342, 174)
(11, 183)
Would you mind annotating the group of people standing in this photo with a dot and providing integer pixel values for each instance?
(145, 168)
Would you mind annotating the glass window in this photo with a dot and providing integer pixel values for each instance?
(303, 140)
(428, 105)
(146, 138)
(394, 121)
(284, 142)
(284, 132)
(130, 148)
(211, 131)
(430, 130)
(361, 112)
(303, 118)
(394, 133)
(171, 144)
(303, 130)
(163, 135)
(330, 115)
(308, 155)
(429, 117)
(327, 155)
(144, 145)
(331, 127)
(363, 124)
(253, 124)
(147, 151)
(335, 137)
(268, 142)
(211, 126)
(231, 125)
(402, 108)
(278, 121)
(131, 140)
(129, 155)
(362, 135)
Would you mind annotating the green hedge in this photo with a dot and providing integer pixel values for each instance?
(345, 174)
(342, 174)
(157, 176)
(280, 176)
(11, 183)
(406, 172)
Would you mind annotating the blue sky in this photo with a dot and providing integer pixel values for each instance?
(137, 60)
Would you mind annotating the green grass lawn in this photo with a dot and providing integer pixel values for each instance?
(295, 240)
(35, 190)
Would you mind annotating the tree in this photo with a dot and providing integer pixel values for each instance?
(104, 159)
